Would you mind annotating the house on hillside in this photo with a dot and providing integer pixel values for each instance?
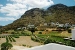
(53, 24)
(30, 26)
(57, 23)
(45, 24)
(21, 28)
(67, 25)
(60, 25)
(73, 25)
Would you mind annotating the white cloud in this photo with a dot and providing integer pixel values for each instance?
(6, 19)
(1, 5)
(13, 9)
(18, 7)
(35, 3)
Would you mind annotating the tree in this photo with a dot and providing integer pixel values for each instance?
(32, 30)
(6, 46)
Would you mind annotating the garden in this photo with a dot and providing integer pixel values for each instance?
(53, 37)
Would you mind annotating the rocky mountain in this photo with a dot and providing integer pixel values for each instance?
(55, 13)
(62, 13)
(33, 16)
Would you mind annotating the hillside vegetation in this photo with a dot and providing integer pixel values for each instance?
(55, 13)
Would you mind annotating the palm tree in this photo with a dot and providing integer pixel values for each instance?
(6, 46)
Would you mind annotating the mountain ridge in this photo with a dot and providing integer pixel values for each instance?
(55, 13)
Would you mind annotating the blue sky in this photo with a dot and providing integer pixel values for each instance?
(66, 2)
(11, 10)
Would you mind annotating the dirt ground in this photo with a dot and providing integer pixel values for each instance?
(18, 48)
(25, 40)
(2, 40)
(22, 41)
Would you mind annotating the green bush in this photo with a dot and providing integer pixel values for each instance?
(7, 39)
(10, 39)
(34, 39)
(3, 36)
(12, 32)
(40, 32)
(13, 39)
(24, 45)
(26, 33)
(48, 41)
(32, 30)
(16, 36)
(73, 44)
(69, 30)
(6, 46)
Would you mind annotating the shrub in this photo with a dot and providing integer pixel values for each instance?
(13, 39)
(40, 32)
(30, 46)
(69, 30)
(34, 39)
(12, 32)
(16, 36)
(73, 44)
(6, 46)
(32, 30)
(10, 39)
(26, 33)
(23, 45)
(68, 43)
(48, 41)
(7, 39)
(3, 36)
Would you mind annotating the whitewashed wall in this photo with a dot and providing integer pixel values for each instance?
(73, 34)
(52, 46)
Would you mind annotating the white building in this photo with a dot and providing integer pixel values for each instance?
(52, 46)
(60, 25)
(45, 24)
(30, 26)
(73, 34)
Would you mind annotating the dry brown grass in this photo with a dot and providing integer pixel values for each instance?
(25, 40)
(65, 34)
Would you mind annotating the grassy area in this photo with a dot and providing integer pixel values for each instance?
(54, 37)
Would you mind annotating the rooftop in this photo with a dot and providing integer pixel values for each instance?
(51, 46)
